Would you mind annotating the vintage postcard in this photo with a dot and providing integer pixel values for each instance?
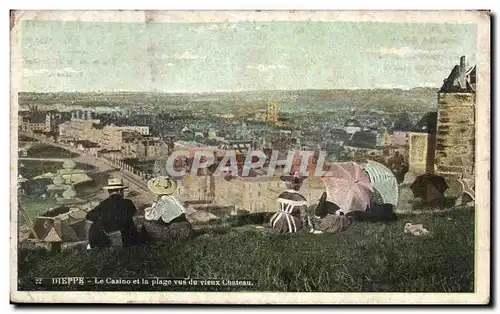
(255, 157)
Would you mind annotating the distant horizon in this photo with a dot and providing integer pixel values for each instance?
(226, 91)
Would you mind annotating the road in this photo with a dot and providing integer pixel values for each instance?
(137, 185)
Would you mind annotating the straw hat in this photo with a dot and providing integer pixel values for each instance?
(115, 184)
(162, 186)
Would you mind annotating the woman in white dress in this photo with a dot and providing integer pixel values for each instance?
(166, 218)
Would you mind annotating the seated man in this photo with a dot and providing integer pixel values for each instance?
(114, 214)
(166, 218)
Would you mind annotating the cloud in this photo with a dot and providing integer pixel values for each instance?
(264, 68)
(404, 52)
(57, 72)
(184, 56)
(215, 28)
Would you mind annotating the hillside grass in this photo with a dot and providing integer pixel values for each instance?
(367, 257)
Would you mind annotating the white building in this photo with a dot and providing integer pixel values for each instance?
(352, 126)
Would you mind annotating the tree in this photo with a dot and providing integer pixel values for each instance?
(403, 123)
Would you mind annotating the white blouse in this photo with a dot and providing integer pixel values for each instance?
(167, 208)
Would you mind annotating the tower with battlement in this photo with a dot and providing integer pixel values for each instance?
(455, 134)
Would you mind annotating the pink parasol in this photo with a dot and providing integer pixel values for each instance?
(348, 186)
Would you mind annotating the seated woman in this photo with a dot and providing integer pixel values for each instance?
(292, 215)
(166, 218)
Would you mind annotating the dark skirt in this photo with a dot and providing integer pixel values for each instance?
(282, 222)
(158, 230)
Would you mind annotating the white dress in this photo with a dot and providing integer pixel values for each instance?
(167, 209)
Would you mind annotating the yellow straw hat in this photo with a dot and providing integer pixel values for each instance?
(162, 186)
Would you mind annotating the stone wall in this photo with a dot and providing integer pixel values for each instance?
(421, 153)
(455, 136)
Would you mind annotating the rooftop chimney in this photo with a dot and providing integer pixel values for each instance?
(462, 71)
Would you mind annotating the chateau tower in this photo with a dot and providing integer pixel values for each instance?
(455, 135)
(272, 112)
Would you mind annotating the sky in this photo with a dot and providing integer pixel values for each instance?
(210, 57)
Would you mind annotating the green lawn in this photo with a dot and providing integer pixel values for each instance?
(26, 138)
(367, 257)
(49, 151)
(34, 204)
(34, 207)
(33, 168)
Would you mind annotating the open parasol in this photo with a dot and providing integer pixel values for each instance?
(348, 186)
(385, 184)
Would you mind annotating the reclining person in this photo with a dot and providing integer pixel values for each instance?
(330, 218)
(166, 218)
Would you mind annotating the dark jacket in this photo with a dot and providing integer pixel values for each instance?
(113, 214)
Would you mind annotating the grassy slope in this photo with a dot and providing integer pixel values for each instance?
(367, 257)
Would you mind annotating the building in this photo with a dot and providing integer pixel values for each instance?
(455, 134)
(87, 147)
(211, 134)
(196, 189)
(112, 135)
(259, 193)
(352, 126)
(34, 123)
(136, 145)
(144, 130)
(240, 146)
(272, 112)
(52, 119)
(81, 129)
(112, 138)
(64, 129)
(39, 121)
(96, 133)
(192, 147)
(362, 145)
(396, 141)
(252, 194)
(362, 139)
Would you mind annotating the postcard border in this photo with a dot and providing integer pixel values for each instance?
(482, 239)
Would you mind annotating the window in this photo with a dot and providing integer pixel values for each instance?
(258, 193)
